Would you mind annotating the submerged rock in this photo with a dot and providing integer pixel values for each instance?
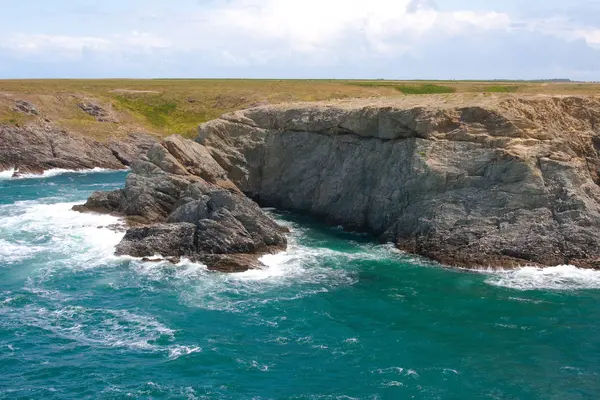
(494, 181)
(180, 203)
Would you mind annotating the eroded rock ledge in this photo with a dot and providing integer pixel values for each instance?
(479, 182)
(43, 146)
(179, 202)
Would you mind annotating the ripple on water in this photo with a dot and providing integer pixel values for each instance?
(100, 328)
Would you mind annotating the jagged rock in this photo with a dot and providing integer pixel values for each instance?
(104, 202)
(25, 107)
(190, 209)
(129, 149)
(468, 181)
(36, 148)
(167, 240)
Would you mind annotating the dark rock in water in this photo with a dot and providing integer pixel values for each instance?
(25, 107)
(167, 240)
(180, 203)
(104, 202)
(172, 260)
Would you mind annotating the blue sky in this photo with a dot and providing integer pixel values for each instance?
(393, 39)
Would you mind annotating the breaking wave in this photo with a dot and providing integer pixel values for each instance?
(9, 174)
(562, 277)
(29, 228)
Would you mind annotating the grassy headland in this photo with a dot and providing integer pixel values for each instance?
(166, 106)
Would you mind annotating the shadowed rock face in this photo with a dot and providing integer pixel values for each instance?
(484, 182)
(180, 203)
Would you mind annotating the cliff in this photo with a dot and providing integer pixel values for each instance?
(473, 181)
(34, 140)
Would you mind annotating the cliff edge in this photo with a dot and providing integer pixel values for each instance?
(480, 181)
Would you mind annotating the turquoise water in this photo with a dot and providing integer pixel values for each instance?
(336, 317)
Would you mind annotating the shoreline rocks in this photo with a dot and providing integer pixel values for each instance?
(179, 202)
(36, 148)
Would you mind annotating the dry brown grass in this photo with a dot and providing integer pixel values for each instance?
(166, 106)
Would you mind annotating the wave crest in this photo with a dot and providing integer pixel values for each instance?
(561, 277)
(9, 174)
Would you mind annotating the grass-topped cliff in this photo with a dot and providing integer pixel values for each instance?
(166, 106)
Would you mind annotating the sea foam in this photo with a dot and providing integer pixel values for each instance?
(81, 239)
(5, 175)
(561, 277)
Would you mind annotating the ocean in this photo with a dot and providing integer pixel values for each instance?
(337, 316)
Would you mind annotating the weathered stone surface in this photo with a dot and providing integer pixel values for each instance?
(25, 107)
(102, 114)
(130, 148)
(487, 181)
(104, 202)
(167, 240)
(189, 208)
(42, 146)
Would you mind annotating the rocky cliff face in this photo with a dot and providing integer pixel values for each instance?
(483, 182)
(36, 143)
(179, 202)
(42, 146)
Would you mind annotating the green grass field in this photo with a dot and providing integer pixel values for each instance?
(166, 106)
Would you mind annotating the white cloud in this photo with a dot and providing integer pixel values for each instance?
(317, 29)
(292, 34)
(591, 36)
(310, 26)
(74, 46)
(31, 44)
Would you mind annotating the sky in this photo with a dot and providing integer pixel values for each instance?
(341, 39)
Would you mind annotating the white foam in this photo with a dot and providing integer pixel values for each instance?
(177, 351)
(53, 172)
(82, 239)
(4, 175)
(14, 252)
(101, 327)
(562, 277)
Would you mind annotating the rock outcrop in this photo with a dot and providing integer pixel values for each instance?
(42, 146)
(179, 202)
(102, 114)
(25, 107)
(484, 181)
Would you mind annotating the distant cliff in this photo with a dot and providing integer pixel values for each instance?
(38, 143)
